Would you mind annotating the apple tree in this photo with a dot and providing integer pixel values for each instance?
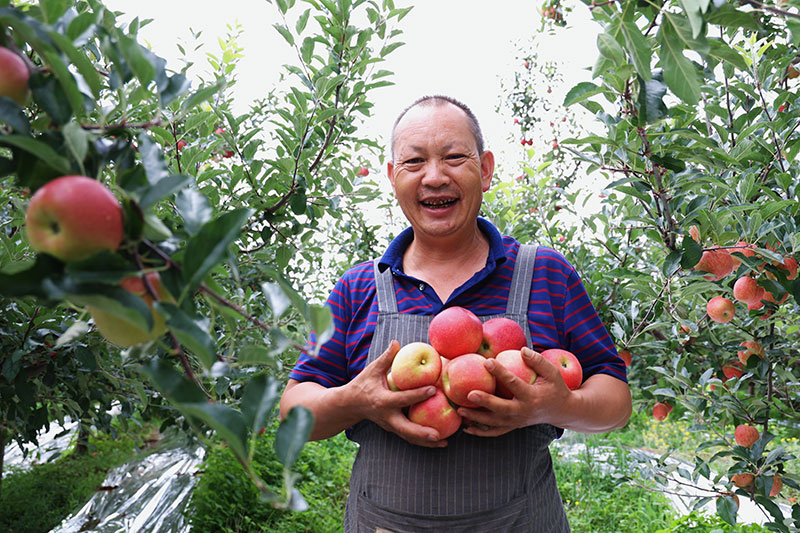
(695, 134)
(230, 222)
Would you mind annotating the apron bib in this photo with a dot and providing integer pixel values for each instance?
(475, 484)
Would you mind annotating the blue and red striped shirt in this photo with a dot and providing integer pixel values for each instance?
(560, 314)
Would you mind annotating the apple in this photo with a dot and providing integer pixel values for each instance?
(501, 334)
(124, 333)
(720, 309)
(72, 217)
(567, 364)
(661, 410)
(745, 435)
(715, 262)
(746, 290)
(416, 365)
(364, 171)
(751, 348)
(777, 486)
(455, 331)
(390, 382)
(437, 413)
(181, 144)
(626, 356)
(513, 362)
(694, 233)
(742, 480)
(465, 374)
(790, 264)
(14, 75)
(732, 370)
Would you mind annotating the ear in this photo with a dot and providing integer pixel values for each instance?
(390, 172)
(487, 170)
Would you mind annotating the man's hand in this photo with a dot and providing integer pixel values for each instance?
(602, 402)
(366, 396)
(384, 406)
(532, 403)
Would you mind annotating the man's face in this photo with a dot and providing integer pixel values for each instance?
(437, 175)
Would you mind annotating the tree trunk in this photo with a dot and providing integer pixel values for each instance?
(82, 445)
(2, 456)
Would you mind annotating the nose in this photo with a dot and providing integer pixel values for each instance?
(435, 174)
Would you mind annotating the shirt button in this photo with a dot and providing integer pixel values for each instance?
(422, 286)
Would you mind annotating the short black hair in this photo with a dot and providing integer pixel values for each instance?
(438, 100)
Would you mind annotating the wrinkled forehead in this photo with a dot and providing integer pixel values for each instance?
(436, 123)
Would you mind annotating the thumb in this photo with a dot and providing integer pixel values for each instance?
(384, 361)
(540, 365)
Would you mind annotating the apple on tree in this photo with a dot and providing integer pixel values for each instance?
(455, 331)
(745, 435)
(501, 334)
(720, 309)
(513, 362)
(661, 410)
(124, 333)
(626, 356)
(416, 364)
(751, 348)
(742, 480)
(567, 364)
(14, 76)
(465, 374)
(72, 217)
(715, 262)
(732, 370)
(437, 413)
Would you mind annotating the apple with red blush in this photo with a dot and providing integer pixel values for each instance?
(501, 334)
(567, 364)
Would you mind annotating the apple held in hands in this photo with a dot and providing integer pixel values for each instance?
(455, 331)
(465, 374)
(437, 413)
(567, 364)
(417, 364)
(123, 333)
(513, 362)
(501, 334)
(72, 217)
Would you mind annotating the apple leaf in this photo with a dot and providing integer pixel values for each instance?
(137, 59)
(610, 49)
(581, 92)
(260, 396)
(65, 79)
(226, 421)
(209, 246)
(638, 47)
(692, 253)
(171, 383)
(679, 73)
(322, 324)
(194, 209)
(672, 262)
(152, 159)
(189, 333)
(726, 509)
(297, 300)
(11, 114)
(165, 186)
(651, 105)
(203, 94)
(279, 301)
(81, 62)
(39, 149)
(292, 435)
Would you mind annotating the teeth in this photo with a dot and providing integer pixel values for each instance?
(437, 202)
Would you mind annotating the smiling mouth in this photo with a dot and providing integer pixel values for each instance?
(439, 203)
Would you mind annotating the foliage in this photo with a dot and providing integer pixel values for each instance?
(696, 522)
(696, 138)
(231, 210)
(38, 498)
(225, 500)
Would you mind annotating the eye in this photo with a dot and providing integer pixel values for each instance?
(414, 161)
(455, 157)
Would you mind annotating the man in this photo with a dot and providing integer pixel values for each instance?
(496, 473)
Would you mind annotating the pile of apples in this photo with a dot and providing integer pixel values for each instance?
(453, 361)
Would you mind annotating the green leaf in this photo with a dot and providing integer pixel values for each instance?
(39, 149)
(302, 20)
(226, 421)
(53, 9)
(137, 59)
(77, 140)
(692, 253)
(48, 93)
(672, 262)
(81, 62)
(171, 384)
(693, 11)
(65, 79)
(651, 105)
(165, 187)
(193, 208)
(610, 49)
(322, 324)
(681, 27)
(260, 396)
(189, 333)
(203, 94)
(283, 30)
(638, 48)
(721, 50)
(292, 435)
(727, 508)
(12, 114)
(152, 159)
(209, 246)
(679, 73)
(279, 302)
(580, 92)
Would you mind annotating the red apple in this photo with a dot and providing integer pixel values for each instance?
(455, 331)
(123, 333)
(416, 365)
(742, 480)
(364, 171)
(181, 144)
(777, 486)
(72, 217)
(790, 264)
(437, 413)
(626, 356)
(501, 334)
(751, 348)
(720, 309)
(746, 290)
(390, 382)
(14, 77)
(745, 435)
(694, 233)
(465, 374)
(513, 362)
(567, 364)
(732, 370)
(715, 262)
(661, 410)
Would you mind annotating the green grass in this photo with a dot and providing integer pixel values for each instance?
(39, 498)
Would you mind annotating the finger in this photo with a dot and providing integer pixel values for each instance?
(415, 433)
(384, 361)
(511, 381)
(540, 365)
(404, 398)
(487, 431)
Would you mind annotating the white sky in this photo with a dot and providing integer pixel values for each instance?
(458, 47)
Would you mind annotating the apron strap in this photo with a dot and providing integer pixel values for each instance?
(384, 287)
(520, 291)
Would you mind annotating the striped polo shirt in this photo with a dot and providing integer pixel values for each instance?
(560, 314)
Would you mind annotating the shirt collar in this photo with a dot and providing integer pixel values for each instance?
(393, 257)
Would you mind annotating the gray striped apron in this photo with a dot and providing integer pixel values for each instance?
(475, 484)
